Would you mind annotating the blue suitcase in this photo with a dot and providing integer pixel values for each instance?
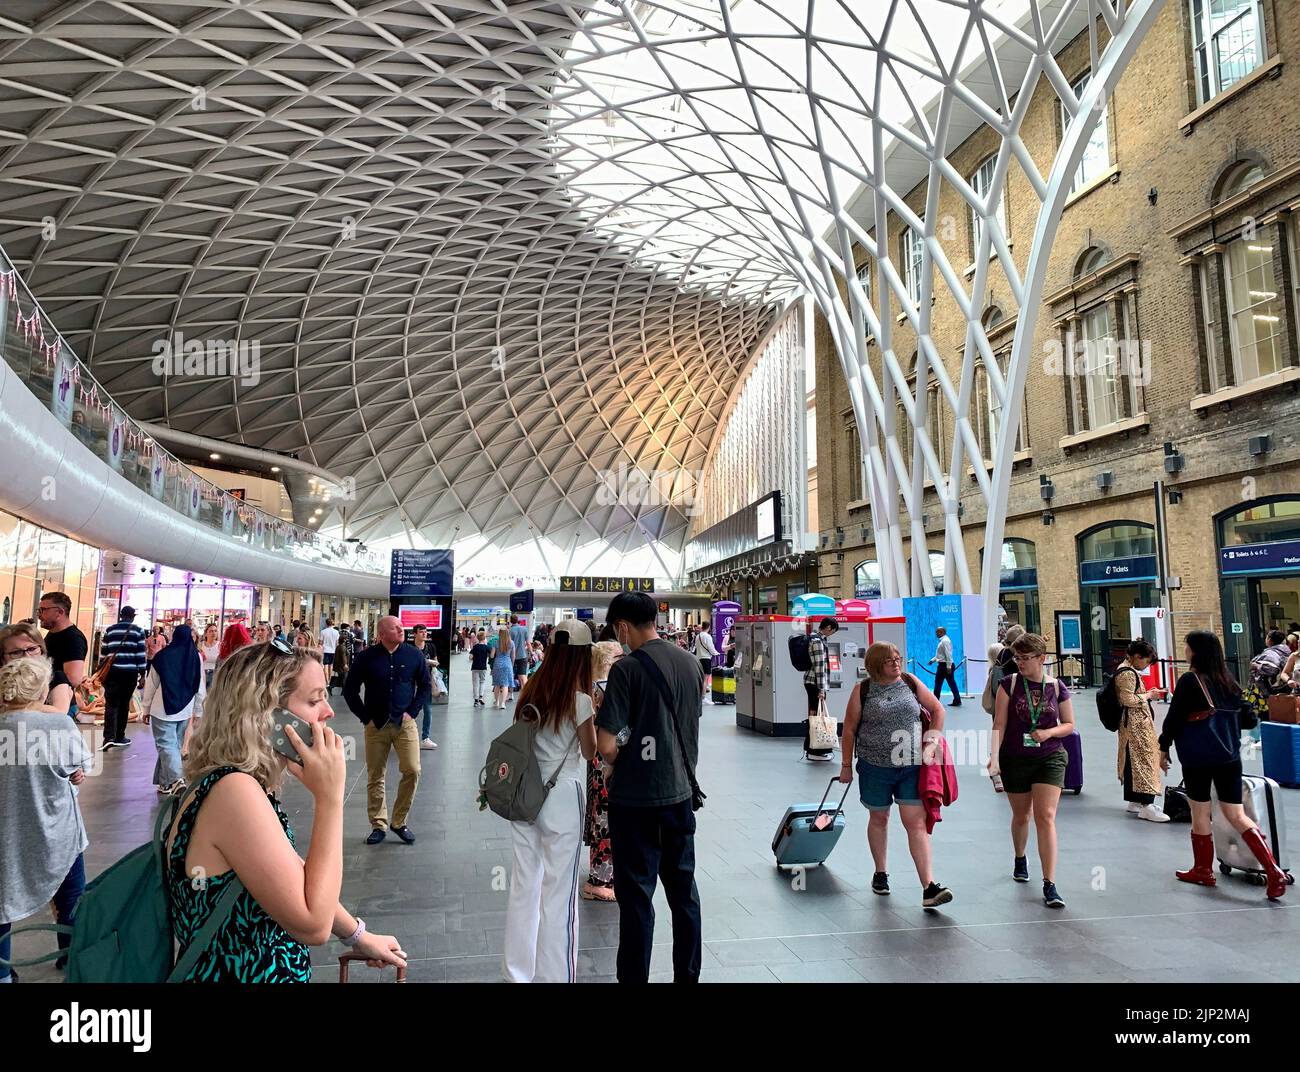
(1281, 746)
(809, 832)
(1074, 769)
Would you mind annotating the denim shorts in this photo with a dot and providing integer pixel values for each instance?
(880, 786)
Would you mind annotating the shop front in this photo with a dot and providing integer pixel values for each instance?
(1117, 574)
(1018, 585)
(1259, 574)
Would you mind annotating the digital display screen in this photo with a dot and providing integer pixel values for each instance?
(766, 520)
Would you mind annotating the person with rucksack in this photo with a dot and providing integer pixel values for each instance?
(813, 658)
(1204, 722)
(648, 732)
(1002, 661)
(44, 835)
(1126, 701)
(887, 731)
(231, 849)
(1267, 669)
(541, 939)
(1034, 713)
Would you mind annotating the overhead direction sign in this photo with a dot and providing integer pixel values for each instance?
(574, 583)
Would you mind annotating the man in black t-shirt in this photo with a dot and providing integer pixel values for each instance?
(64, 642)
(650, 771)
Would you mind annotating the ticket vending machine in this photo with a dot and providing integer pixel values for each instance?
(743, 634)
(770, 694)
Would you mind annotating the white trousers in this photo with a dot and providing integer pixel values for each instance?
(541, 943)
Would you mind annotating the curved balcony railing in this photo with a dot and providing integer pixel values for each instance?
(44, 361)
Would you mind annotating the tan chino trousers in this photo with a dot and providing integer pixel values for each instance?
(406, 739)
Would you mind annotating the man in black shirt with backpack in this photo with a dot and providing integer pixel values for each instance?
(648, 730)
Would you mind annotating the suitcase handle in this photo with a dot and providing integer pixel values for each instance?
(346, 958)
(843, 798)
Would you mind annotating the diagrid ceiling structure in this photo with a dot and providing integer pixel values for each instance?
(491, 251)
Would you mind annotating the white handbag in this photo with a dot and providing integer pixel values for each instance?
(822, 733)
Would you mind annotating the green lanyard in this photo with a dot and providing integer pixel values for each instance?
(1035, 709)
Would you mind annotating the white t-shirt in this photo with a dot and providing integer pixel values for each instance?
(329, 639)
(550, 746)
(704, 648)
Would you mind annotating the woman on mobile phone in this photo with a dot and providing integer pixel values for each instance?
(1206, 693)
(1033, 714)
(541, 944)
(230, 824)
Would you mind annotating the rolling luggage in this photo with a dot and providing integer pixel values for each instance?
(1281, 745)
(724, 685)
(348, 958)
(1263, 803)
(809, 832)
(1074, 771)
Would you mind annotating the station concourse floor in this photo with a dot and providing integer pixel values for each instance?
(1127, 918)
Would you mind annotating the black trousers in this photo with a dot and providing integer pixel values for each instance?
(947, 672)
(652, 844)
(118, 690)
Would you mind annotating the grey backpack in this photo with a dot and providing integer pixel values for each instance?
(511, 780)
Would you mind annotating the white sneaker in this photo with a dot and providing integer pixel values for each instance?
(1132, 808)
(1152, 813)
(428, 744)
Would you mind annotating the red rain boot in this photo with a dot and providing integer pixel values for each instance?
(1276, 876)
(1202, 872)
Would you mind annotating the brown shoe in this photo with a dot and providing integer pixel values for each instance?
(597, 893)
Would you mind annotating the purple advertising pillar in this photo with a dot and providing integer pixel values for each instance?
(725, 612)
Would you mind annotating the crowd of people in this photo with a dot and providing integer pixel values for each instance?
(210, 700)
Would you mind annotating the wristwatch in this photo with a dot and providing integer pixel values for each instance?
(356, 934)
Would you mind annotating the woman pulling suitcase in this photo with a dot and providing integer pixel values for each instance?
(884, 728)
(1204, 722)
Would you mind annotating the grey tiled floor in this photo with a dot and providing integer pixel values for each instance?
(1127, 920)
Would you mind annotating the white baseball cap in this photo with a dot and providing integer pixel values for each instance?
(571, 631)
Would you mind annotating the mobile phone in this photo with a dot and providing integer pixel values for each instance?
(280, 740)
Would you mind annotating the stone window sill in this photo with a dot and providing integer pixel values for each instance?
(1017, 458)
(1129, 424)
(859, 504)
(1261, 385)
(1108, 177)
(1271, 68)
(993, 256)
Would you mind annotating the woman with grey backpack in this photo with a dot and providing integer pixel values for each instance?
(541, 940)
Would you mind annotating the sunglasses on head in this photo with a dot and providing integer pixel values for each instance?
(282, 646)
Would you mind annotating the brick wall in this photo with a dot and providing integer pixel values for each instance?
(1150, 151)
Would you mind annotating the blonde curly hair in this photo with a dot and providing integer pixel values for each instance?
(603, 655)
(25, 683)
(236, 727)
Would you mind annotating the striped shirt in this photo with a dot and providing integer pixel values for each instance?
(125, 642)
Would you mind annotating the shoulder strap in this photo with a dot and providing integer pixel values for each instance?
(225, 903)
(220, 913)
(910, 681)
(656, 675)
(564, 759)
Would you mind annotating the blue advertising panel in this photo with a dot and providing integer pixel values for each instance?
(521, 602)
(1118, 570)
(1281, 556)
(586, 614)
(420, 573)
(924, 615)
